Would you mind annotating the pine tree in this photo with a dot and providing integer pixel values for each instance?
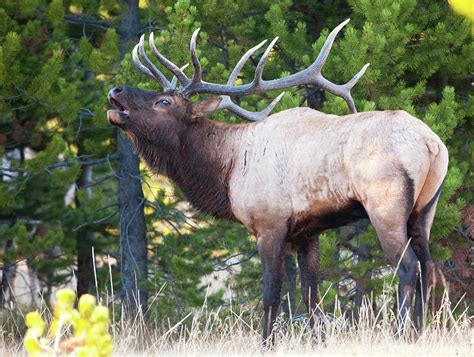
(53, 135)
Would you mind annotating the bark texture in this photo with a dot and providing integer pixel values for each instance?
(85, 242)
(133, 243)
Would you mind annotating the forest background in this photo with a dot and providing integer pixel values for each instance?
(77, 207)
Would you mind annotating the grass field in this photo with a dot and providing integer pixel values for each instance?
(226, 332)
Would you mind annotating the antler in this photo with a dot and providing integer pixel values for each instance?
(311, 75)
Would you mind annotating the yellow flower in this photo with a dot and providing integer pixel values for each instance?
(86, 351)
(35, 323)
(81, 326)
(32, 344)
(65, 298)
(86, 305)
(100, 314)
(99, 328)
(104, 345)
(463, 7)
(89, 326)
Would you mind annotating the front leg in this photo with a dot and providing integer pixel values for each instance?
(271, 246)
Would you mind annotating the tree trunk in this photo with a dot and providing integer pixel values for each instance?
(4, 278)
(7, 270)
(133, 244)
(85, 242)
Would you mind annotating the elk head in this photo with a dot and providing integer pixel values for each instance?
(139, 111)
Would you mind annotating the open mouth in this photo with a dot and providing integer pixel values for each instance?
(119, 115)
(116, 104)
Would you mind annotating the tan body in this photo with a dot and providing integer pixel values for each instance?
(301, 171)
(300, 164)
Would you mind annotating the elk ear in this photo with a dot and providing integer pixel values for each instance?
(205, 107)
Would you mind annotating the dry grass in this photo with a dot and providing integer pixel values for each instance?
(239, 335)
(226, 332)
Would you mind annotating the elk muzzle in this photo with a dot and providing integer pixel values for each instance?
(120, 114)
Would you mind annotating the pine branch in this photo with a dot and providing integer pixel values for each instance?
(224, 266)
(80, 19)
(100, 220)
(80, 161)
(98, 181)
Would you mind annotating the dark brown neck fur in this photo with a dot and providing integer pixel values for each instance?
(199, 158)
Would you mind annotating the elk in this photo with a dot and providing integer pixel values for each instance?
(291, 175)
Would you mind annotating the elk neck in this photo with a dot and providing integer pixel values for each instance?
(199, 158)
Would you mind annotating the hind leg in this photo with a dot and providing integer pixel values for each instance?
(419, 226)
(390, 223)
(395, 245)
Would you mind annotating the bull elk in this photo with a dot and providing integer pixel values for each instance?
(291, 175)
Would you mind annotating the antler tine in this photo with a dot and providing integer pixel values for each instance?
(156, 72)
(138, 64)
(344, 90)
(174, 80)
(238, 67)
(356, 78)
(178, 72)
(263, 60)
(228, 104)
(197, 76)
(324, 53)
(150, 70)
(348, 86)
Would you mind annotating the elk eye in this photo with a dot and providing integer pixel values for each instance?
(163, 102)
